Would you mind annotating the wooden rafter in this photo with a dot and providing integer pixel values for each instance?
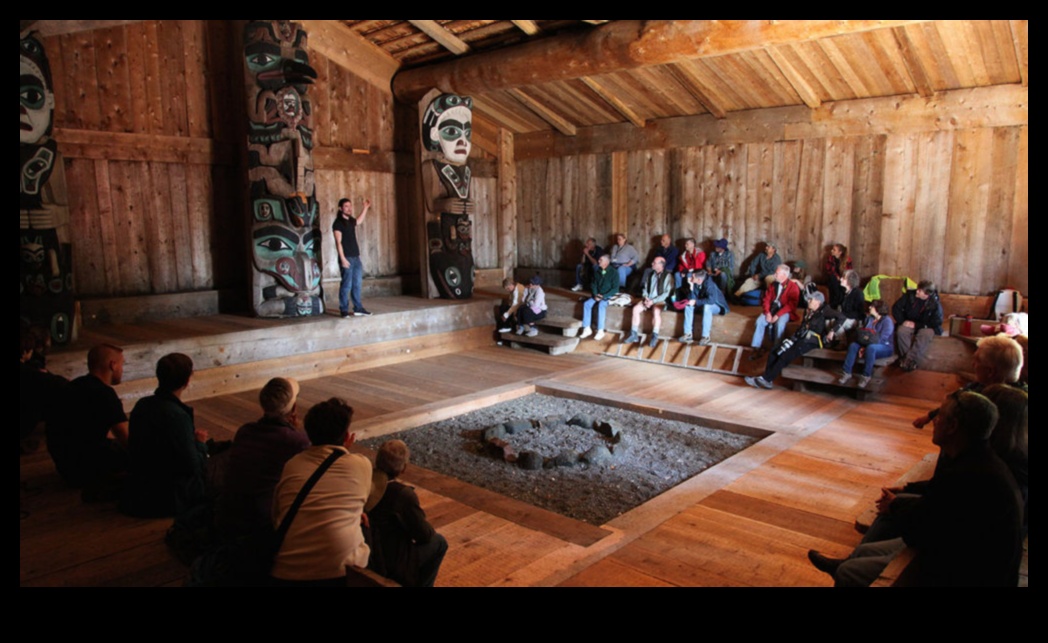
(794, 78)
(59, 27)
(445, 38)
(692, 84)
(914, 66)
(562, 124)
(527, 26)
(611, 99)
(348, 49)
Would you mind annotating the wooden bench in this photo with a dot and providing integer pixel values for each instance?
(562, 340)
(811, 372)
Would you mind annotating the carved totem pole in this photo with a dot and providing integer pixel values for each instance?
(45, 285)
(447, 125)
(285, 231)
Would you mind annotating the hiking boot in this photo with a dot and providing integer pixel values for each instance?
(823, 563)
(633, 338)
(654, 340)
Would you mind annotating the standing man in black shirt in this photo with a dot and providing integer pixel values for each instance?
(350, 267)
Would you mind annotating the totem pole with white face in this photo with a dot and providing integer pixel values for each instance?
(285, 222)
(447, 126)
(45, 285)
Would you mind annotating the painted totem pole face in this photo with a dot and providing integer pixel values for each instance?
(448, 127)
(35, 100)
(285, 227)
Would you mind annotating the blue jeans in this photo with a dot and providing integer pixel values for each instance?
(873, 353)
(587, 312)
(352, 282)
(777, 330)
(708, 311)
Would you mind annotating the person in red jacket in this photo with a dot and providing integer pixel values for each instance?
(780, 305)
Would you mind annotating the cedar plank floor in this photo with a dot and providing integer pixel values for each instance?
(745, 522)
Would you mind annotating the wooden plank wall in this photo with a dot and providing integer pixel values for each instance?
(149, 119)
(944, 204)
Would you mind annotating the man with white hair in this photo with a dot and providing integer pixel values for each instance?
(658, 285)
(258, 454)
(780, 304)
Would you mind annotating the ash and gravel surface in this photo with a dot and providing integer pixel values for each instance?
(653, 455)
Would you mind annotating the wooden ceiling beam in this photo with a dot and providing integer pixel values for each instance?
(619, 45)
(794, 78)
(561, 124)
(527, 26)
(60, 27)
(351, 51)
(445, 38)
(610, 98)
(1021, 42)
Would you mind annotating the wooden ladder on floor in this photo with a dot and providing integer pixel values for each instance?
(661, 351)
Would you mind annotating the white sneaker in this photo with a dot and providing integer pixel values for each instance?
(686, 338)
(599, 336)
(576, 288)
(520, 330)
(532, 332)
(505, 329)
(844, 378)
(586, 332)
(705, 341)
(863, 381)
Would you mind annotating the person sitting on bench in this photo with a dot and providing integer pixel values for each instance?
(809, 336)
(876, 340)
(658, 285)
(705, 297)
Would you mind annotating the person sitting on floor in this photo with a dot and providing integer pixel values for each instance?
(879, 332)
(604, 286)
(326, 534)
(624, 258)
(404, 546)
(258, 454)
(533, 308)
(705, 297)
(918, 318)
(720, 264)
(508, 308)
(658, 285)
(779, 305)
(966, 525)
(997, 360)
(168, 453)
(1011, 438)
(591, 253)
(693, 258)
(91, 411)
(762, 269)
(809, 335)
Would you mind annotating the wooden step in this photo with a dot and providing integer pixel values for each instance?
(554, 344)
(840, 356)
(567, 326)
(801, 374)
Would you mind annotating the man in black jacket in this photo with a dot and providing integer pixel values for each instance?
(918, 318)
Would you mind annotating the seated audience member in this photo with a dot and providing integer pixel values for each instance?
(88, 413)
(693, 258)
(37, 392)
(809, 335)
(779, 305)
(591, 253)
(167, 452)
(404, 546)
(260, 450)
(325, 535)
(624, 258)
(533, 308)
(604, 286)
(1011, 437)
(965, 525)
(852, 307)
(762, 269)
(720, 265)
(918, 318)
(837, 263)
(668, 251)
(658, 285)
(876, 342)
(508, 309)
(707, 299)
(997, 360)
